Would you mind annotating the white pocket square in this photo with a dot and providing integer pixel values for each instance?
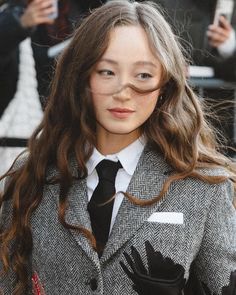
(167, 217)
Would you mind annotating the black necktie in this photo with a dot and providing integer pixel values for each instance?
(100, 213)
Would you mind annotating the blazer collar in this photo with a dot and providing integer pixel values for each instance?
(147, 182)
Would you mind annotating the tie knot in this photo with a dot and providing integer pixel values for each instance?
(107, 169)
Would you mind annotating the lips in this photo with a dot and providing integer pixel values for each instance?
(121, 112)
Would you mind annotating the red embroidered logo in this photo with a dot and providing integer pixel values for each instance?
(37, 287)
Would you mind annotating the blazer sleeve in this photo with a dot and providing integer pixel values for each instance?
(6, 279)
(216, 258)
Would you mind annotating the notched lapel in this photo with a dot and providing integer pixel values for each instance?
(77, 214)
(146, 183)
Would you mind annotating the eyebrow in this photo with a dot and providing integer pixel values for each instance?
(138, 63)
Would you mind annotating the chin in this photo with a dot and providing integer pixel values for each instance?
(120, 131)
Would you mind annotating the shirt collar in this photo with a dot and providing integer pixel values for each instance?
(128, 157)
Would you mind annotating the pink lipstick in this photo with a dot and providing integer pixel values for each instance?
(121, 113)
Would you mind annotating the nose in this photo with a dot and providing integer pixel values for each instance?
(123, 94)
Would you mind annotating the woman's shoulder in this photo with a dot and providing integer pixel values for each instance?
(214, 171)
(216, 182)
(20, 161)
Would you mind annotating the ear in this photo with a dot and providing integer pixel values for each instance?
(160, 98)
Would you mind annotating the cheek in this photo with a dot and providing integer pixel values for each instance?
(148, 103)
(97, 101)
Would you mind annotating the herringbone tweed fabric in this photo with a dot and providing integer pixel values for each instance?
(65, 263)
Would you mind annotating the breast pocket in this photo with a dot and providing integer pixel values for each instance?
(168, 242)
(168, 238)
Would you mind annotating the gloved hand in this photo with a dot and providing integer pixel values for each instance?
(196, 287)
(163, 276)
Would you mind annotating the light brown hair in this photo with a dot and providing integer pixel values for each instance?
(177, 128)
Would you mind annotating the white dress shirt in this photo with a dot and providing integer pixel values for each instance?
(128, 158)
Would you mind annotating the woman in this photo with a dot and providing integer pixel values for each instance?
(120, 98)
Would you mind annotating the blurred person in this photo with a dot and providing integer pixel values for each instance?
(222, 36)
(209, 44)
(27, 32)
(19, 20)
(71, 12)
(221, 40)
(20, 108)
(122, 189)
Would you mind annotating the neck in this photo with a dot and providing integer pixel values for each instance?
(113, 143)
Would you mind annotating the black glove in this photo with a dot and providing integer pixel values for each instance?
(162, 277)
(195, 287)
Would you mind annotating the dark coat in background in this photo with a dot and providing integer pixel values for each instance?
(11, 34)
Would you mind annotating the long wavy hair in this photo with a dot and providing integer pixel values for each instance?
(177, 128)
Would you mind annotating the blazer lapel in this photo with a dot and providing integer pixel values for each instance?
(146, 183)
(77, 213)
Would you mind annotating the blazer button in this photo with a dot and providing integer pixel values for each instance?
(93, 284)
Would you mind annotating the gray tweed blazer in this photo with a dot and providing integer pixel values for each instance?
(64, 263)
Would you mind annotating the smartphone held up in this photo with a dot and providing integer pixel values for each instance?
(54, 15)
(223, 8)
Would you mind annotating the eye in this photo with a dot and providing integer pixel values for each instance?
(106, 72)
(144, 76)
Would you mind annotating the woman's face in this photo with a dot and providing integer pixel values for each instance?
(128, 59)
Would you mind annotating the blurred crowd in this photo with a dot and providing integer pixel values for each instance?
(31, 31)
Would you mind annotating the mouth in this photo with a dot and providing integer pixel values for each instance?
(121, 112)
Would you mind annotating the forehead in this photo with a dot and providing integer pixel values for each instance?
(129, 43)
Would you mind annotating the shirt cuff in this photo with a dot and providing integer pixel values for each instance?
(227, 48)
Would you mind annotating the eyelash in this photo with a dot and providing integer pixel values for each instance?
(147, 75)
(143, 76)
(106, 72)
